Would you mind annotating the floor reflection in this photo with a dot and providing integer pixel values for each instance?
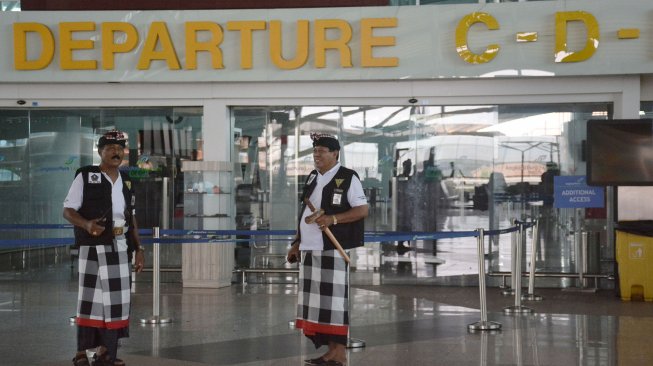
(401, 325)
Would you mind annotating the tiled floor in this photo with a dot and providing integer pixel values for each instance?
(400, 324)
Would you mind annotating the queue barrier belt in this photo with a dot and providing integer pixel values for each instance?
(224, 236)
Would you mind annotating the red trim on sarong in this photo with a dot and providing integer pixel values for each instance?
(118, 324)
(101, 323)
(311, 328)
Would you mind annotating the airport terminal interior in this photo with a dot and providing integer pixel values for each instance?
(433, 174)
(424, 170)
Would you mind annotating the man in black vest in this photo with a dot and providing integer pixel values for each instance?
(339, 192)
(100, 205)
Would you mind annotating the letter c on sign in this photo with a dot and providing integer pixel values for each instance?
(461, 38)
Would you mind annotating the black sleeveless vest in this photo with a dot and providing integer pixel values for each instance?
(350, 235)
(96, 203)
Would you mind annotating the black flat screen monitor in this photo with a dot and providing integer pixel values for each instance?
(620, 152)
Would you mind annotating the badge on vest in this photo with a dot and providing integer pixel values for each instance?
(94, 178)
(336, 200)
(310, 178)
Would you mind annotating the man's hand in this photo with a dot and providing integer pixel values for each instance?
(293, 253)
(139, 261)
(93, 227)
(325, 221)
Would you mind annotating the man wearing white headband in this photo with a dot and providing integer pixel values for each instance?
(337, 195)
(100, 205)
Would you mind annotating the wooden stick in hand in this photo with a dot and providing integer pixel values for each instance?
(328, 232)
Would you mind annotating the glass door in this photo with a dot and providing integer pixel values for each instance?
(452, 168)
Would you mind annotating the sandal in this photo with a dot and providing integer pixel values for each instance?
(102, 359)
(81, 360)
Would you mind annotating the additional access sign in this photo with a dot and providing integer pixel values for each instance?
(573, 192)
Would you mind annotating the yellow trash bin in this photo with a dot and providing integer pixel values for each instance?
(635, 258)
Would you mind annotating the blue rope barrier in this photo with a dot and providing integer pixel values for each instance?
(34, 226)
(220, 236)
(421, 236)
(227, 232)
(501, 231)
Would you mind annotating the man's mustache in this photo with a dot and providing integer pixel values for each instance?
(116, 157)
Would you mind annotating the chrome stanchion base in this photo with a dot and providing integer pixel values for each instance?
(156, 320)
(531, 297)
(481, 325)
(517, 310)
(508, 292)
(355, 343)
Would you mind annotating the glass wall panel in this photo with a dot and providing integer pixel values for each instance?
(40, 150)
(14, 167)
(452, 168)
(60, 142)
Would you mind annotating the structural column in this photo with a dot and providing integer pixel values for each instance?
(210, 265)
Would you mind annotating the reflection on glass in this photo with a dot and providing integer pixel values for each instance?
(454, 168)
(40, 150)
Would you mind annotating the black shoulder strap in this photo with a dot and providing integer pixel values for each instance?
(86, 169)
(309, 185)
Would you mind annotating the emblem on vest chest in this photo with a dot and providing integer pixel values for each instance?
(94, 178)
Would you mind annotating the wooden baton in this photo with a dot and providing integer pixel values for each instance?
(328, 232)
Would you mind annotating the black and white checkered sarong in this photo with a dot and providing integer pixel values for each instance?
(104, 287)
(322, 308)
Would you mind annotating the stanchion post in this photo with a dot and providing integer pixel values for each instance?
(510, 291)
(394, 202)
(518, 308)
(581, 239)
(351, 342)
(531, 296)
(156, 294)
(483, 324)
(583, 259)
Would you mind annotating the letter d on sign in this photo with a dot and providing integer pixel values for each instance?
(20, 46)
(592, 43)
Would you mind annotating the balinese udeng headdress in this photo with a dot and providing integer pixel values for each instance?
(326, 140)
(112, 137)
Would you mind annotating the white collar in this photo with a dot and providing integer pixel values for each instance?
(330, 171)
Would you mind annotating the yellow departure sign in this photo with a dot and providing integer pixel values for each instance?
(158, 45)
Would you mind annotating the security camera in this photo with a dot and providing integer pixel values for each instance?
(413, 100)
(20, 102)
